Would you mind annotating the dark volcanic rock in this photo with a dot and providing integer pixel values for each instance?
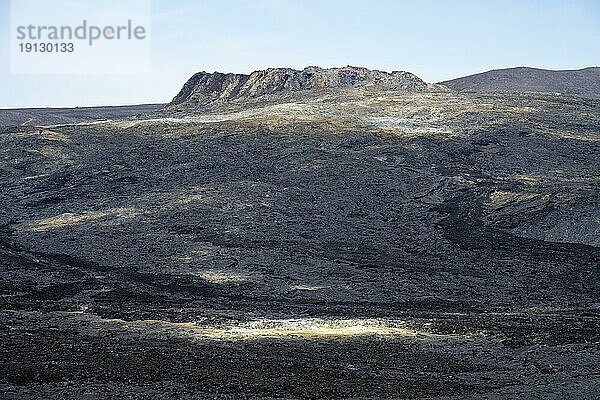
(326, 244)
(205, 87)
(583, 82)
(50, 116)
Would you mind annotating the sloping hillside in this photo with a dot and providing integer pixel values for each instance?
(582, 82)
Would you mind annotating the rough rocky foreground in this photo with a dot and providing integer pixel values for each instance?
(330, 243)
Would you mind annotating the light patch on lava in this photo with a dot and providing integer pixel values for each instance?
(310, 328)
(221, 277)
(309, 288)
(68, 219)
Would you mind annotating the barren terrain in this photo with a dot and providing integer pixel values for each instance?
(321, 244)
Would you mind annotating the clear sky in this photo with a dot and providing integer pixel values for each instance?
(436, 40)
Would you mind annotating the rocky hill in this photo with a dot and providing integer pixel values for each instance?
(205, 87)
(582, 82)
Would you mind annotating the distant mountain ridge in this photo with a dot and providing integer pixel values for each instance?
(204, 87)
(582, 82)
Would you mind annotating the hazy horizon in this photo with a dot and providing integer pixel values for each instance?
(175, 93)
(435, 41)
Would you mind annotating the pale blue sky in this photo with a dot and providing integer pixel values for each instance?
(436, 40)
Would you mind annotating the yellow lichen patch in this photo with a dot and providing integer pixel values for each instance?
(69, 219)
(193, 195)
(527, 179)
(305, 328)
(52, 135)
(218, 276)
(500, 197)
(48, 151)
(299, 328)
(587, 137)
(309, 328)
(520, 110)
(309, 288)
(126, 124)
(565, 196)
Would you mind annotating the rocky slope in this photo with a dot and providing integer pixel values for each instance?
(206, 87)
(583, 82)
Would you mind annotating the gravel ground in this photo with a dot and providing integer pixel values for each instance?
(347, 244)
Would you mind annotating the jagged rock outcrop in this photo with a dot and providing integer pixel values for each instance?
(204, 87)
